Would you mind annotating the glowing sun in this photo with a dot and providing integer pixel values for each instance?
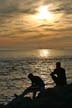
(44, 13)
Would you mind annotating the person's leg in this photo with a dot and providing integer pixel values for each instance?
(55, 79)
(34, 90)
(26, 91)
(34, 94)
(31, 89)
(37, 89)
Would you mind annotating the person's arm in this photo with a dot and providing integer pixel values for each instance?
(33, 83)
(53, 73)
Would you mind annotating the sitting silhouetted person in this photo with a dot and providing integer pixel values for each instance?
(37, 84)
(59, 76)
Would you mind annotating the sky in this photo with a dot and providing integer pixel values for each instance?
(32, 24)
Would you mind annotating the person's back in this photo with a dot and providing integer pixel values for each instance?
(37, 85)
(59, 75)
(37, 81)
(60, 72)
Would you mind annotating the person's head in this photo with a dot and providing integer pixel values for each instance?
(30, 76)
(58, 64)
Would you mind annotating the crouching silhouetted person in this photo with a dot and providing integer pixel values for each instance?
(59, 76)
(37, 84)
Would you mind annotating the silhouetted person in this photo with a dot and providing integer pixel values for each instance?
(37, 84)
(59, 76)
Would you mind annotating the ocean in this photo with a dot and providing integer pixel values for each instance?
(16, 65)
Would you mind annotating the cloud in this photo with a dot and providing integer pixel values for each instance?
(15, 25)
(65, 7)
(29, 6)
(7, 6)
(59, 29)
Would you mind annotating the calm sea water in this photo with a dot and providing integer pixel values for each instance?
(16, 65)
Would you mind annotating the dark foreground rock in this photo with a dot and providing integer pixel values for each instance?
(57, 97)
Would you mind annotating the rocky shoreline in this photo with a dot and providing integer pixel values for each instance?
(56, 97)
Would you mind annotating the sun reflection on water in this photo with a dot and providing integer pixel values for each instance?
(44, 53)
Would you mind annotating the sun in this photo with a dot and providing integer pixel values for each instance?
(44, 13)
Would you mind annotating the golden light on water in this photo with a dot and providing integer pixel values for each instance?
(48, 53)
(44, 53)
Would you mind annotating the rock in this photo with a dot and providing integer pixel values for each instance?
(56, 97)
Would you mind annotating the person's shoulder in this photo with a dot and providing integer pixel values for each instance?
(62, 69)
(37, 77)
(55, 70)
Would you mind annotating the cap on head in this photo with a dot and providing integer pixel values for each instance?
(30, 75)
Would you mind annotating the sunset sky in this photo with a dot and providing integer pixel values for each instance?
(26, 24)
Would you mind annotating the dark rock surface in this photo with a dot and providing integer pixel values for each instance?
(57, 97)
